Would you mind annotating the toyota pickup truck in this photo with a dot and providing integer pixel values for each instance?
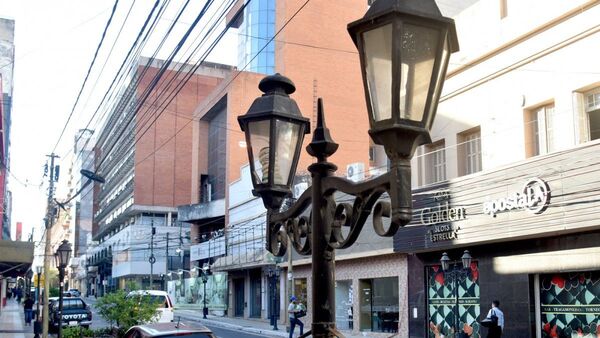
(75, 313)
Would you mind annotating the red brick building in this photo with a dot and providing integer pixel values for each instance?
(144, 153)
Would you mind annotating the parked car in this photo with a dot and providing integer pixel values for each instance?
(74, 293)
(168, 330)
(75, 313)
(165, 309)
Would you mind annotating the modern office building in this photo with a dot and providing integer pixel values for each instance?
(7, 58)
(83, 210)
(144, 153)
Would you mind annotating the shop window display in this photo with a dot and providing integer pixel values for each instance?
(379, 304)
(570, 304)
(452, 294)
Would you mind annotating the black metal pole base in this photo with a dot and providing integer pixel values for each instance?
(37, 328)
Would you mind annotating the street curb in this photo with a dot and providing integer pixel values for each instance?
(234, 326)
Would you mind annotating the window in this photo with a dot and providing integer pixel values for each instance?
(539, 130)
(344, 313)
(435, 162)
(469, 151)
(300, 290)
(592, 109)
(379, 304)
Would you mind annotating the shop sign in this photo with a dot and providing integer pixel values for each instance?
(440, 218)
(443, 232)
(534, 197)
(442, 213)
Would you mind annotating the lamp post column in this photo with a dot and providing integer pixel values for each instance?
(323, 257)
(204, 309)
(61, 276)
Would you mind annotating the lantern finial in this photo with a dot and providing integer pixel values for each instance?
(322, 145)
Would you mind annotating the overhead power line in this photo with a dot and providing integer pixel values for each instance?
(114, 9)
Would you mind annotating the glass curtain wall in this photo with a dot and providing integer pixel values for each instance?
(255, 52)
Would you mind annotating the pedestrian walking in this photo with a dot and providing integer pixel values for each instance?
(295, 311)
(19, 295)
(495, 331)
(28, 308)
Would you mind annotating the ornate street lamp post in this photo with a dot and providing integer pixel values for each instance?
(62, 256)
(273, 277)
(404, 48)
(205, 273)
(454, 274)
(37, 325)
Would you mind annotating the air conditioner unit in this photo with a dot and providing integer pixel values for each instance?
(355, 171)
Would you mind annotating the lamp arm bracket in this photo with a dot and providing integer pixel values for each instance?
(295, 224)
(290, 223)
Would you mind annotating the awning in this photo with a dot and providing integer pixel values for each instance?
(15, 258)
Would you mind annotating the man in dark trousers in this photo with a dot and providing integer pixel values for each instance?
(28, 308)
(496, 330)
(293, 309)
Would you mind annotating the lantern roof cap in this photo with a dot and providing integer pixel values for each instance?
(277, 83)
(426, 9)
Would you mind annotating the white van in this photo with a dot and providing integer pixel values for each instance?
(165, 310)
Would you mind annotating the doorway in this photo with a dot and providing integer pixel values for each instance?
(238, 289)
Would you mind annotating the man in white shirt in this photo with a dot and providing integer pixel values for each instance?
(294, 308)
(496, 331)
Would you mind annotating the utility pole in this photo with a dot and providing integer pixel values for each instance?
(47, 254)
(167, 261)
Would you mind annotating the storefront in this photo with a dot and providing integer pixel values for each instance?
(370, 293)
(533, 232)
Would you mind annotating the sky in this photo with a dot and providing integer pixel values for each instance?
(55, 42)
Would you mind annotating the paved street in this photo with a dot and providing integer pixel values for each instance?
(232, 333)
(97, 321)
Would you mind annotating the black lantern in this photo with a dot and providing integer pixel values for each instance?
(404, 48)
(274, 130)
(466, 259)
(445, 260)
(63, 254)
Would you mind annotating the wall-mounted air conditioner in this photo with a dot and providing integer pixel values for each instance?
(355, 171)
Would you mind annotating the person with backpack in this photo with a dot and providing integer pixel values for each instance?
(496, 317)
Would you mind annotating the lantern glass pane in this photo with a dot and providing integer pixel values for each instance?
(440, 77)
(418, 51)
(259, 144)
(378, 68)
(285, 151)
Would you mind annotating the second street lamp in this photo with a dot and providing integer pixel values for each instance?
(274, 274)
(404, 46)
(457, 276)
(205, 273)
(62, 256)
(37, 324)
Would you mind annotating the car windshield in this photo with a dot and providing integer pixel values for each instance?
(157, 299)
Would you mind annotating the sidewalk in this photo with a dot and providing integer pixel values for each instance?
(248, 325)
(12, 322)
